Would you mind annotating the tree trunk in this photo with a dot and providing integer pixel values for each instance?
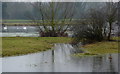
(109, 34)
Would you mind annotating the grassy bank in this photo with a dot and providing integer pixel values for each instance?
(16, 22)
(24, 45)
(103, 47)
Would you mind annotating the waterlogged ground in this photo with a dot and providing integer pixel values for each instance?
(12, 46)
(60, 60)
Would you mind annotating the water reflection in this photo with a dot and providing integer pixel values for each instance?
(60, 60)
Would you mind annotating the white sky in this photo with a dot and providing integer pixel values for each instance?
(58, 0)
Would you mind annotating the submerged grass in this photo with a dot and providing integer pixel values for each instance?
(23, 45)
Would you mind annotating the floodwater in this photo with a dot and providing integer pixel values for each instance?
(23, 34)
(60, 60)
(23, 31)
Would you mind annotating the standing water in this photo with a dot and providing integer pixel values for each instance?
(60, 60)
(23, 31)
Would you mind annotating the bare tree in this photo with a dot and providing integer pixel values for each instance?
(92, 28)
(111, 9)
(55, 17)
(118, 18)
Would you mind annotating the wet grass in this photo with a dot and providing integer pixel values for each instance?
(0, 47)
(23, 45)
(15, 22)
(115, 38)
(102, 47)
(84, 54)
(98, 48)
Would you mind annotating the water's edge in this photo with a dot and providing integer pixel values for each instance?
(59, 60)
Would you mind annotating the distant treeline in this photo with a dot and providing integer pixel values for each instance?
(20, 10)
(30, 22)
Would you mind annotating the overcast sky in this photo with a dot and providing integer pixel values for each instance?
(58, 0)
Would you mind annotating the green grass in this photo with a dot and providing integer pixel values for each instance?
(84, 54)
(0, 47)
(102, 47)
(23, 45)
(98, 48)
(115, 38)
(15, 22)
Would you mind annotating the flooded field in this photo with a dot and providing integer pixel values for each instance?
(26, 31)
(60, 60)
(23, 31)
